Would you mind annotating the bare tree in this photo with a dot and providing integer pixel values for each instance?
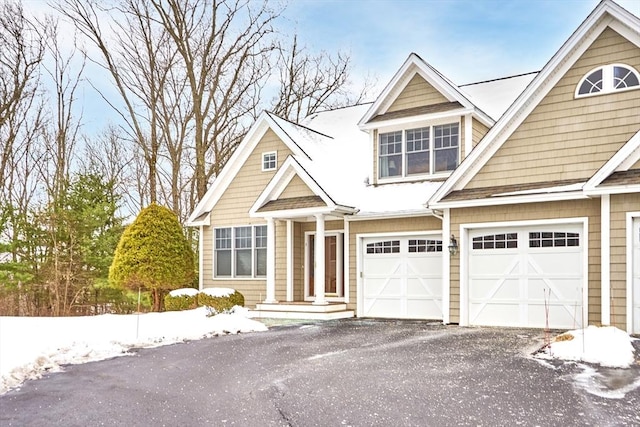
(21, 53)
(225, 48)
(131, 62)
(310, 83)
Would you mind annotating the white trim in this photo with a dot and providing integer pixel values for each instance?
(319, 261)
(629, 267)
(624, 158)
(290, 244)
(290, 168)
(511, 200)
(415, 65)
(605, 259)
(268, 153)
(464, 257)
(360, 255)
(446, 268)
(271, 262)
(262, 124)
(617, 189)
(403, 122)
(468, 135)
(347, 261)
(364, 216)
(201, 258)
(607, 13)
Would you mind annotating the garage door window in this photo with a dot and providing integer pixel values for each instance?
(496, 241)
(423, 245)
(549, 239)
(386, 247)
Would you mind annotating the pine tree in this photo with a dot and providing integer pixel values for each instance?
(153, 254)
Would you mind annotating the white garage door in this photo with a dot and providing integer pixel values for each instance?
(402, 277)
(529, 277)
(636, 277)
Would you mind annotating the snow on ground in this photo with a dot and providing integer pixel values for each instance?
(30, 346)
(607, 346)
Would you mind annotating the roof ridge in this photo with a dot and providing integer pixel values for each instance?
(298, 125)
(500, 78)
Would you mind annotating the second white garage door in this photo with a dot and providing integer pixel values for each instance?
(402, 277)
(530, 277)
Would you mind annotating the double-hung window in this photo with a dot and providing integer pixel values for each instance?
(240, 251)
(420, 151)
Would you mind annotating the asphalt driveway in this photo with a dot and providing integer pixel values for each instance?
(353, 372)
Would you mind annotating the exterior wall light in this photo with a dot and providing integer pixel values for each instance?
(453, 246)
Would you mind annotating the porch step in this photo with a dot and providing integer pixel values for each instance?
(302, 311)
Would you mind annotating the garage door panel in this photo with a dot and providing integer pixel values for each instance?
(404, 284)
(535, 281)
(383, 307)
(494, 264)
(495, 288)
(557, 289)
(383, 286)
(494, 314)
(423, 287)
(560, 263)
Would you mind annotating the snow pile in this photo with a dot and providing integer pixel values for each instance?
(218, 292)
(184, 292)
(607, 346)
(30, 346)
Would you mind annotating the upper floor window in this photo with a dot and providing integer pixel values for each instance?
(419, 151)
(269, 161)
(607, 79)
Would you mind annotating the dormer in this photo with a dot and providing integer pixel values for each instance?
(421, 126)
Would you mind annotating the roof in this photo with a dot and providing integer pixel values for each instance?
(416, 111)
(629, 177)
(495, 96)
(516, 189)
(292, 203)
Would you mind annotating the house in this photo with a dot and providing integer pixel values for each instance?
(511, 202)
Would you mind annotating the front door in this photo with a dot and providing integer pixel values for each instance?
(333, 276)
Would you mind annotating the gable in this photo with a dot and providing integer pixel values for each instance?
(240, 195)
(296, 188)
(636, 165)
(417, 93)
(564, 138)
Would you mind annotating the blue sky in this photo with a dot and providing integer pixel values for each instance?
(467, 40)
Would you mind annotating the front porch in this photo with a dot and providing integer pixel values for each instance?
(301, 310)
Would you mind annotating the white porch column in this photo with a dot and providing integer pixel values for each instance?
(271, 262)
(605, 259)
(318, 262)
(339, 264)
(289, 260)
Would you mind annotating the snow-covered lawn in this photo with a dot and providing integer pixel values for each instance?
(30, 346)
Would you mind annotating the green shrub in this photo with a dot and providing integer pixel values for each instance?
(180, 302)
(153, 254)
(220, 303)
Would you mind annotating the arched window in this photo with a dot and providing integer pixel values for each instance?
(607, 79)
